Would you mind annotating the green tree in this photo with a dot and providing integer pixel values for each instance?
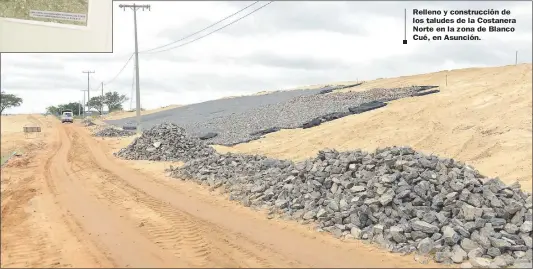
(53, 110)
(74, 106)
(9, 101)
(114, 101)
(57, 110)
(97, 103)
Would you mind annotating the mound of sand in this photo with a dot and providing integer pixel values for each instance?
(126, 114)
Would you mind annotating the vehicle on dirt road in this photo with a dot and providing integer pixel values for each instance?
(67, 116)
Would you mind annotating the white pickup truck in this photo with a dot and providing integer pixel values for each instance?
(67, 116)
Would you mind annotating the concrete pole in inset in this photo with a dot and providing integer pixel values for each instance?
(134, 7)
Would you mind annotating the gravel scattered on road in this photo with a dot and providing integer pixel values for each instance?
(113, 132)
(396, 197)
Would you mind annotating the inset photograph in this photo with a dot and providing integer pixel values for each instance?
(57, 26)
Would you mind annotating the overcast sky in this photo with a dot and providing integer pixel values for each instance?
(284, 45)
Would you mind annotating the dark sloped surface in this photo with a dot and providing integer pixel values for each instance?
(242, 119)
(366, 107)
(425, 93)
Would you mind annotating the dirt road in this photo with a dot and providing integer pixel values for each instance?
(79, 207)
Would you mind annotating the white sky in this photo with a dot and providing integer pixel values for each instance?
(284, 45)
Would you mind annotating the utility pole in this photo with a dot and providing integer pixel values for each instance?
(134, 7)
(516, 58)
(102, 101)
(83, 104)
(88, 97)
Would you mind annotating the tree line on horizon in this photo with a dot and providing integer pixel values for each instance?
(8, 100)
(112, 100)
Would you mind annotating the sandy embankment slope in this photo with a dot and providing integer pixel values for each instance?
(126, 114)
(483, 117)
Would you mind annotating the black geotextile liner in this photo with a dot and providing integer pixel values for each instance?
(312, 123)
(324, 91)
(329, 89)
(366, 107)
(265, 131)
(423, 88)
(349, 86)
(337, 115)
(207, 136)
(129, 127)
(425, 93)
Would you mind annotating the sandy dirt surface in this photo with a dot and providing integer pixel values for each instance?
(12, 136)
(76, 205)
(483, 117)
(126, 114)
(36, 232)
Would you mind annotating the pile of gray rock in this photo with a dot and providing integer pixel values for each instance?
(113, 132)
(165, 142)
(396, 197)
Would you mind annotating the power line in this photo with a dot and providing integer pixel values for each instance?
(218, 29)
(219, 21)
(94, 80)
(120, 72)
(150, 51)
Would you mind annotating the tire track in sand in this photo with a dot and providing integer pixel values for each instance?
(235, 235)
(197, 242)
(22, 244)
(136, 220)
(116, 238)
(35, 231)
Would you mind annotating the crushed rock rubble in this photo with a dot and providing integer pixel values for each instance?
(165, 142)
(403, 200)
(113, 132)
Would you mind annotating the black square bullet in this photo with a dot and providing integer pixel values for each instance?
(405, 41)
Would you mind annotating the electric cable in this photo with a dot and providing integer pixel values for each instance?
(218, 29)
(183, 38)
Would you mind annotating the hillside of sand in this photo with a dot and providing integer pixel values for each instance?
(482, 116)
